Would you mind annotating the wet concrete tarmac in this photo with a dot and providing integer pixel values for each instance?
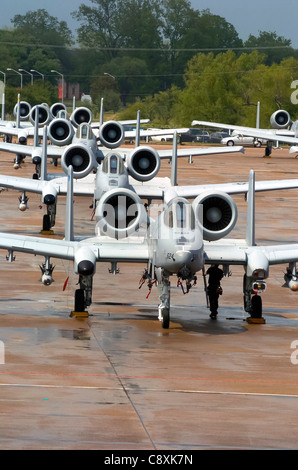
(117, 380)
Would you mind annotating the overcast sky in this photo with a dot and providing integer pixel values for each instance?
(247, 16)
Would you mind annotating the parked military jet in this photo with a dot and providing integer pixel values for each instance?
(173, 244)
(283, 130)
(141, 163)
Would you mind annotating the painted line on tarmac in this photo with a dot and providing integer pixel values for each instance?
(132, 389)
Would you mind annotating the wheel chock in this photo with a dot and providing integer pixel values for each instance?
(254, 321)
(47, 232)
(79, 314)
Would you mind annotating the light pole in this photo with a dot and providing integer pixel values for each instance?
(4, 77)
(109, 75)
(22, 70)
(36, 71)
(13, 70)
(61, 75)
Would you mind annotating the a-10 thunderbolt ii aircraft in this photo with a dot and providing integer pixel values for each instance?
(96, 169)
(173, 243)
(283, 130)
(62, 129)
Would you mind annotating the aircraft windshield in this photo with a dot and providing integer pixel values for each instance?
(180, 214)
(113, 163)
(84, 131)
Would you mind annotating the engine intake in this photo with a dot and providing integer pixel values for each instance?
(111, 134)
(219, 214)
(81, 115)
(143, 163)
(60, 131)
(56, 107)
(44, 115)
(120, 213)
(280, 119)
(25, 109)
(81, 159)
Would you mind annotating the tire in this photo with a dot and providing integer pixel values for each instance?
(46, 223)
(230, 143)
(165, 318)
(256, 306)
(79, 300)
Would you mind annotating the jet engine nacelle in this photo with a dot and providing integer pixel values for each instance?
(81, 115)
(81, 159)
(111, 134)
(44, 115)
(280, 119)
(25, 109)
(56, 107)
(60, 131)
(120, 213)
(218, 215)
(143, 163)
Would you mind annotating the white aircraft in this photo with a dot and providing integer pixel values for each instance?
(23, 126)
(172, 244)
(283, 130)
(141, 163)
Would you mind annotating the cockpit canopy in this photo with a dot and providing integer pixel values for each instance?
(84, 131)
(180, 214)
(113, 164)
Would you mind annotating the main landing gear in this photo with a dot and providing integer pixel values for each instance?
(83, 297)
(252, 299)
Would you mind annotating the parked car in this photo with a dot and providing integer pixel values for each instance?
(194, 135)
(242, 140)
(216, 137)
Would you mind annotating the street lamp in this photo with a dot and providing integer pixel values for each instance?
(109, 75)
(13, 70)
(22, 70)
(36, 71)
(4, 79)
(56, 71)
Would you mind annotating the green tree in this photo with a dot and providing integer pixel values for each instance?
(276, 47)
(47, 35)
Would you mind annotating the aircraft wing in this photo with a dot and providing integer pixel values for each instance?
(52, 150)
(272, 135)
(193, 191)
(235, 252)
(10, 130)
(200, 151)
(155, 132)
(83, 187)
(218, 125)
(104, 249)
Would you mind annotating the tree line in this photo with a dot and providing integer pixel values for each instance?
(163, 56)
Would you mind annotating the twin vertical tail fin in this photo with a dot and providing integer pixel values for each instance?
(69, 231)
(44, 155)
(174, 161)
(250, 221)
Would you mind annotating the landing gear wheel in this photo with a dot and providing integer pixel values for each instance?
(165, 320)
(79, 300)
(46, 223)
(256, 306)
